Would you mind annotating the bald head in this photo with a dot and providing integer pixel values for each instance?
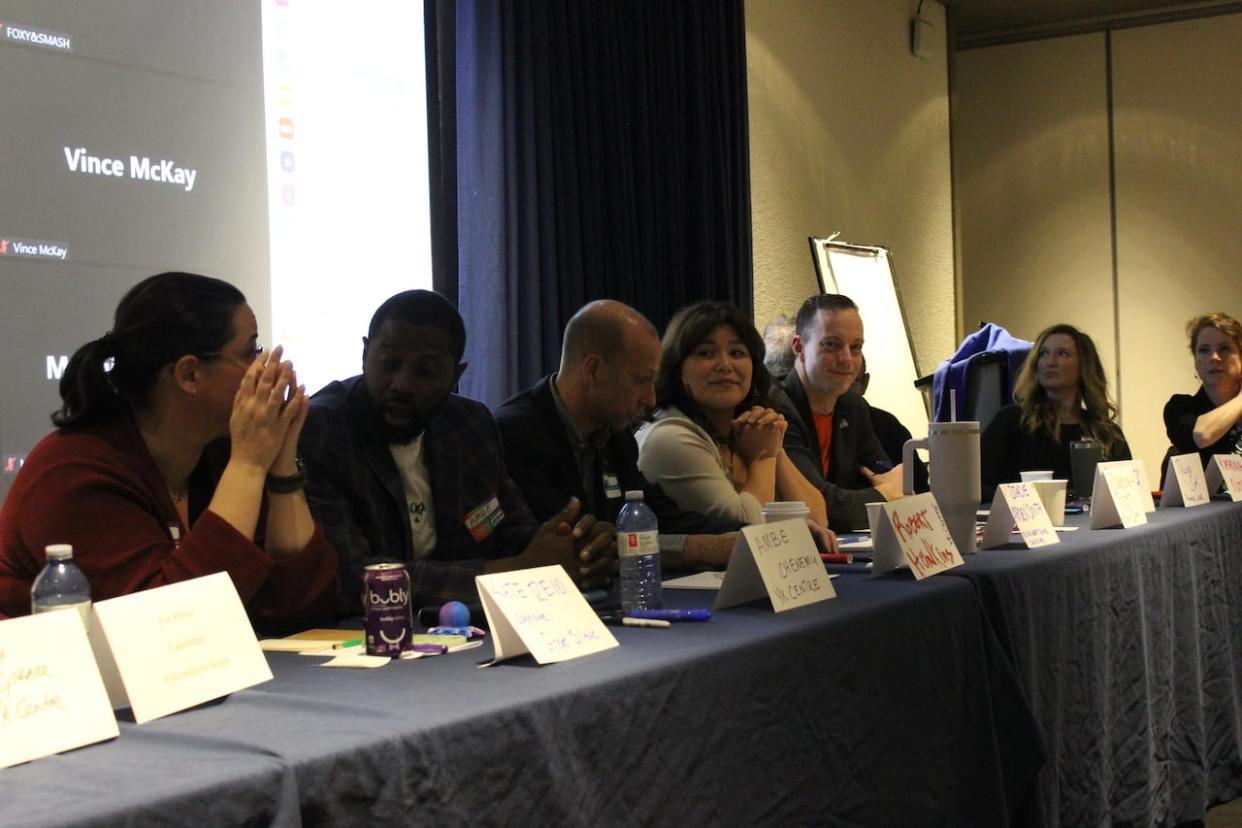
(604, 327)
(609, 358)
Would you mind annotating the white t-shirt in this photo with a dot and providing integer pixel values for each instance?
(417, 484)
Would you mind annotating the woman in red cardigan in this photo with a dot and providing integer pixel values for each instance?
(174, 457)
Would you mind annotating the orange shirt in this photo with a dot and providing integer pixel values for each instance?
(823, 430)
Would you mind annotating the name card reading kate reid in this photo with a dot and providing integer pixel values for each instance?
(170, 648)
(1226, 470)
(1018, 504)
(51, 695)
(779, 560)
(1117, 496)
(540, 611)
(922, 534)
(1184, 483)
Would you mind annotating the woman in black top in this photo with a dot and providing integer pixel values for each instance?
(1210, 422)
(1062, 396)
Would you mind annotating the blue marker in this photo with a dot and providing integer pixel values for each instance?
(672, 614)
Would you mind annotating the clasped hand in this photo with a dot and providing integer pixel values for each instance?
(585, 546)
(758, 433)
(269, 409)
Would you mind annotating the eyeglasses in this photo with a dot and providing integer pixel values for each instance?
(247, 356)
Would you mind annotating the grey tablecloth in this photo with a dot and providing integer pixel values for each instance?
(1129, 648)
(891, 705)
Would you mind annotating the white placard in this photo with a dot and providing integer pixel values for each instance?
(51, 695)
(540, 611)
(1184, 483)
(1225, 469)
(779, 560)
(1018, 504)
(922, 534)
(1144, 486)
(168, 649)
(1116, 496)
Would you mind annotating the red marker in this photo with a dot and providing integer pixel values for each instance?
(836, 557)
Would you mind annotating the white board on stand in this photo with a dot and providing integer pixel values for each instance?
(865, 274)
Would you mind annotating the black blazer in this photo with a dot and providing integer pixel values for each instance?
(846, 492)
(540, 459)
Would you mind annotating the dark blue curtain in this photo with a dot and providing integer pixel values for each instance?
(600, 151)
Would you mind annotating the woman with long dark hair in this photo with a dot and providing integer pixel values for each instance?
(715, 445)
(175, 456)
(1062, 396)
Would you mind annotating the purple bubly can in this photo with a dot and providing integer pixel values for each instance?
(386, 608)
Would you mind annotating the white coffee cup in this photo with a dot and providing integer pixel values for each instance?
(1052, 495)
(785, 510)
(874, 510)
(1030, 476)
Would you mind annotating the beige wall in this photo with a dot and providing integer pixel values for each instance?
(1031, 155)
(1177, 101)
(849, 131)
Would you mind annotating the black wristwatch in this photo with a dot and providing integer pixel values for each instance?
(290, 484)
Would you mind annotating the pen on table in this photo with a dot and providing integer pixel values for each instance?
(353, 642)
(836, 557)
(672, 614)
(628, 621)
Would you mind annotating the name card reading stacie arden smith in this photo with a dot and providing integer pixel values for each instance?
(1117, 497)
(51, 696)
(167, 649)
(1225, 469)
(779, 560)
(922, 535)
(1018, 504)
(540, 611)
(1184, 484)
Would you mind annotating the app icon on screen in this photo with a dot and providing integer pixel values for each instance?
(286, 127)
(286, 161)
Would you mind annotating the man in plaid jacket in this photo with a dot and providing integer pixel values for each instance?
(401, 469)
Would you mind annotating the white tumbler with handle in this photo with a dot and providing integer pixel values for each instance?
(954, 475)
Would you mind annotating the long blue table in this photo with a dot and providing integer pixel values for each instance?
(1128, 645)
(891, 705)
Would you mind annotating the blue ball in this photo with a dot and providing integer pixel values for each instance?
(454, 614)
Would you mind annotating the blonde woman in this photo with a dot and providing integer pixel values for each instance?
(1062, 397)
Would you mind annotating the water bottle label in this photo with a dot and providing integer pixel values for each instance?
(637, 543)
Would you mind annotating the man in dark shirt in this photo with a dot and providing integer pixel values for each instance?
(570, 435)
(400, 468)
(890, 431)
(829, 435)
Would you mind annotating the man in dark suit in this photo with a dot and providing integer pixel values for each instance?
(400, 468)
(829, 436)
(570, 435)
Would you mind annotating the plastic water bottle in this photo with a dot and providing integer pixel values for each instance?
(61, 585)
(638, 551)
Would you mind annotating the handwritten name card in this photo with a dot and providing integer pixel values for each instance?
(1117, 497)
(922, 534)
(167, 649)
(1018, 504)
(540, 611)
(51, 695)
(1225, 469)
(1184, 483)
(779, 560)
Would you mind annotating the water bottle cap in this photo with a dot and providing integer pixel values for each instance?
(59, 551)
(634, 494)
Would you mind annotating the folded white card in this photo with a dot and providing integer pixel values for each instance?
(1117, 497)
(1018, 504)
(922, 534)
(1226, 470)
(51, 696)
(540, 611)
(1184, 483)
(779, 560)
(167, 649)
